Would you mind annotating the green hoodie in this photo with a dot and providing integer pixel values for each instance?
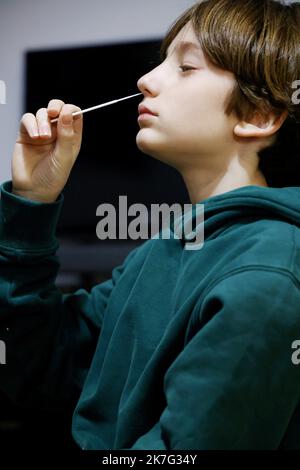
(180, 349)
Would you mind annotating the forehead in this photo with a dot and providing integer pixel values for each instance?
(185, 40)
(187, 34)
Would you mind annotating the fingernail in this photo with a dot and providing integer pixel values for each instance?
(45, 129)
(67, 119)
(34, 132)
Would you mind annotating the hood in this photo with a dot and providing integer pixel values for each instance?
(217, 212)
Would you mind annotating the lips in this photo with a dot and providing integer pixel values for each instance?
(144, 110)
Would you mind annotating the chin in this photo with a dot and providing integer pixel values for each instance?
(144, 144)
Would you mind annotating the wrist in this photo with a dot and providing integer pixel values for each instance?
(31, 196)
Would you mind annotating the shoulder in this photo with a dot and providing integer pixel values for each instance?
(265, 244)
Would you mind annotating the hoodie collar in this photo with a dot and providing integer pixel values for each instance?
(219, 211)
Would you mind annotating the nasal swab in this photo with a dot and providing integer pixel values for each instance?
(99, 106)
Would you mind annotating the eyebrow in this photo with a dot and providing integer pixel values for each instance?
(185, 45)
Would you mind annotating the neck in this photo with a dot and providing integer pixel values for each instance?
(203, 183)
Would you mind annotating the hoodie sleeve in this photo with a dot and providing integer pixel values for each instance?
(49, 337)
(234, 385)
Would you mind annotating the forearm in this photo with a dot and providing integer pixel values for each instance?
(34, 314)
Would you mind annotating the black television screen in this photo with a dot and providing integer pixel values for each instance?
(109, 164)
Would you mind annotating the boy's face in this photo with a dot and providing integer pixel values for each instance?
(191, 123)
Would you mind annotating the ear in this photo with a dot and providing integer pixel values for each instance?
(260, 126)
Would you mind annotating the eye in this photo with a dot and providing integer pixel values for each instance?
(187, 68)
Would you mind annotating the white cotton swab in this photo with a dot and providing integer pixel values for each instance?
(98, 106)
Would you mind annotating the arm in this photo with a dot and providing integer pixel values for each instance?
(50, 337)
(234, 385)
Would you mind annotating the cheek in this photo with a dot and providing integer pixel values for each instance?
(194, 96)
(200, 106)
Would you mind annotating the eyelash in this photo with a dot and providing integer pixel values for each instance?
(186, 67)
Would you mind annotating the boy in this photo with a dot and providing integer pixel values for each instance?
(179, 349)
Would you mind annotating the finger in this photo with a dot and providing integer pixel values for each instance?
(43, 123)
(54, 107)
(28, 125)
(69, 109)
(67, 128)
(78, 122)
(69, 123)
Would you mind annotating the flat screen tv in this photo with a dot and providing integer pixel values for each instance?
(109, 163)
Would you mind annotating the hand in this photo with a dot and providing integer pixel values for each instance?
(45, 153)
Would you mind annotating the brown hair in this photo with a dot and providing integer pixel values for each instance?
(259, 42)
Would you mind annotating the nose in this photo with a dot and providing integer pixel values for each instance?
(146, 85)
(142, 85)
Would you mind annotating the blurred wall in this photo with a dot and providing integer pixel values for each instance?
(33, 24)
